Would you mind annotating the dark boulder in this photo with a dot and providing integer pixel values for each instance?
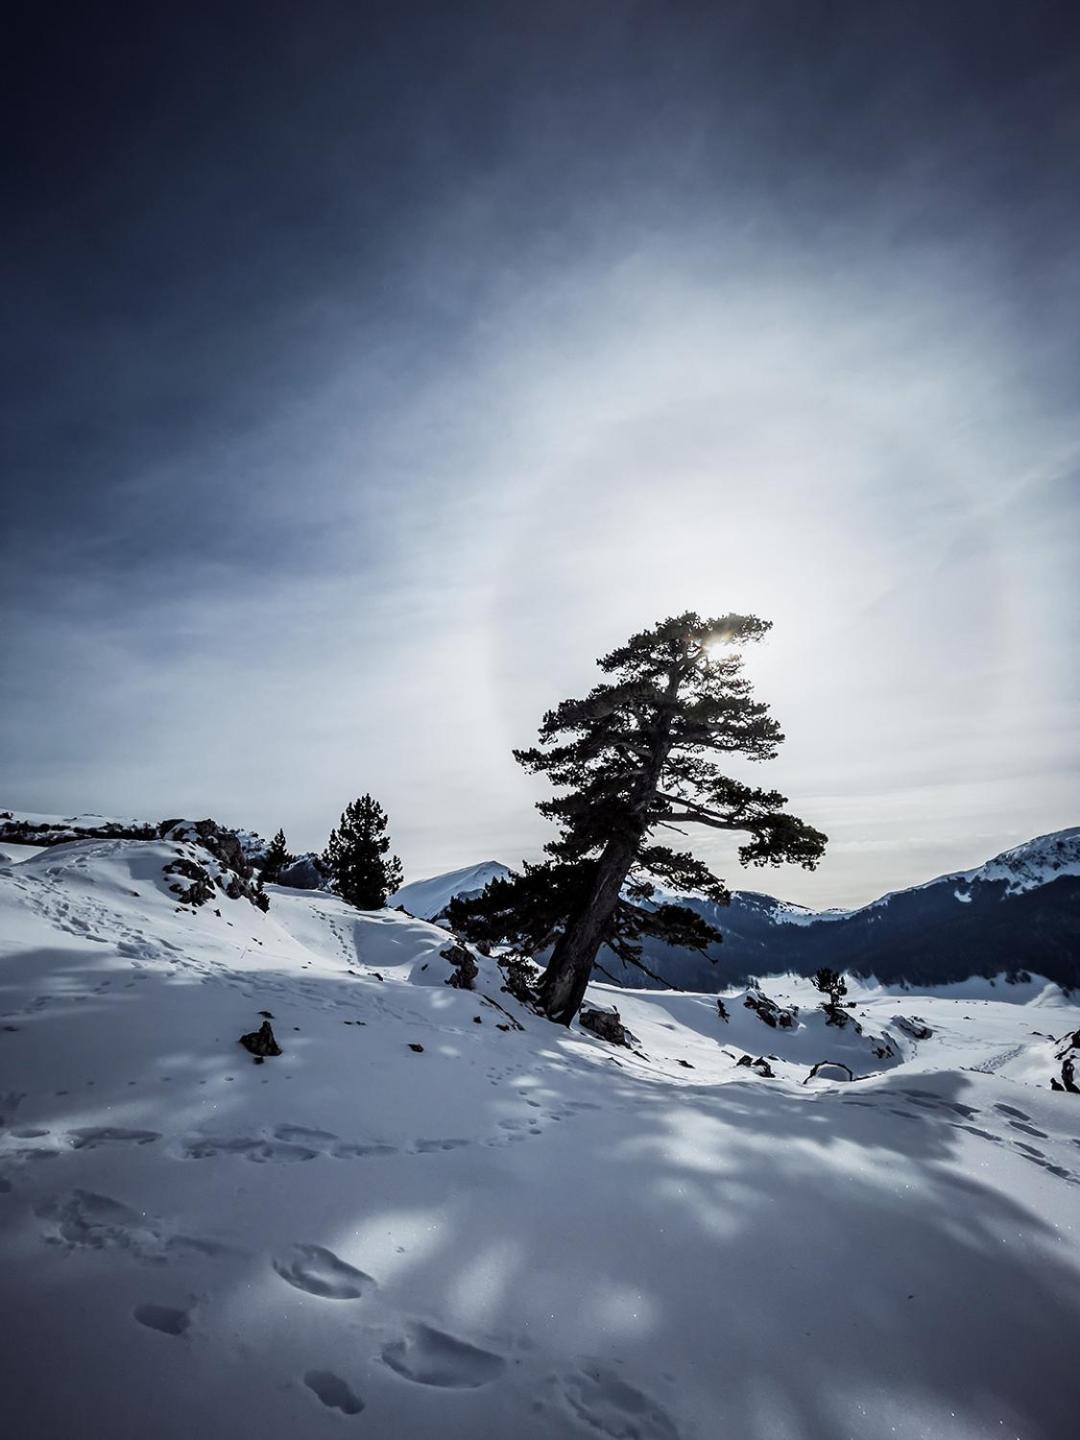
(772, 1014)
(465, 968)
(605, 1024)
(261, 1042)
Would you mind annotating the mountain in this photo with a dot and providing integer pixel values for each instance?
(1018, 912)
(428, 899)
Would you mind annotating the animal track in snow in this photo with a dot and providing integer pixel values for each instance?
(205, 1147)
(300, 1134)
(163, 1318)
(91, 1136)
(608, 1405)
(333, 1391)
(86, 1220)
(319, 1272)
(432, 1357)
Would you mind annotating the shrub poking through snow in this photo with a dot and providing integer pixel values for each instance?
(519, 977)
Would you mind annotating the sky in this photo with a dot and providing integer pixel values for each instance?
(369, 370)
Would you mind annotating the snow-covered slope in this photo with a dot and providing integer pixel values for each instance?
(432, 1217)
(1027, 866)
(429, 898)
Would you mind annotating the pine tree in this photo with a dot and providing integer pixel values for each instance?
(632, 756)
(831, 983)
(356, 856)
(275, 859)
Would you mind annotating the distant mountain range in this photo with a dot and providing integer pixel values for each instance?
(1018, 912)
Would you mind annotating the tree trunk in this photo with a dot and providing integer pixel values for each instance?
(570, 967)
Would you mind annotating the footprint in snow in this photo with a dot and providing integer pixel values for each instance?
(92, 1135)
(164, 1318)
(334, 1393)
(320, 1272)
(302, 1135)
(608, 1405)
(432, 1357)
(1013, 1111)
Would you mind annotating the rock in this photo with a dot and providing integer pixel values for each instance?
(761, 1065)
(414, 1046)
(465, 967)
(201, 888)
(305, 872)
(261, 1042)
(232, 873)
(605, 1024)
(772, 1014)
(722, 1010)
(912, 1027)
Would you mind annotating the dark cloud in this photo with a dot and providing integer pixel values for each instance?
(296, 294)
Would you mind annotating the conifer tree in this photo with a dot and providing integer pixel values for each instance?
(357, 856)
(634, 755)
(830, 983)
(275, 859)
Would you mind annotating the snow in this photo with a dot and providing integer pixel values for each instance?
(429, 898)
(508, 1231)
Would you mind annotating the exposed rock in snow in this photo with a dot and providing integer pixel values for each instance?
(912, 1027)
(261, 1042)
(604, 1022)
(305, 872)
(768, 1011)
(465, 968)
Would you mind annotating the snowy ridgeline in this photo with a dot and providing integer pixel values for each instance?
(436, 1214)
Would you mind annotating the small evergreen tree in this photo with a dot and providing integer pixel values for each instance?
(275, 859)
(831, 983)
(356, 856)
(634, 755)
